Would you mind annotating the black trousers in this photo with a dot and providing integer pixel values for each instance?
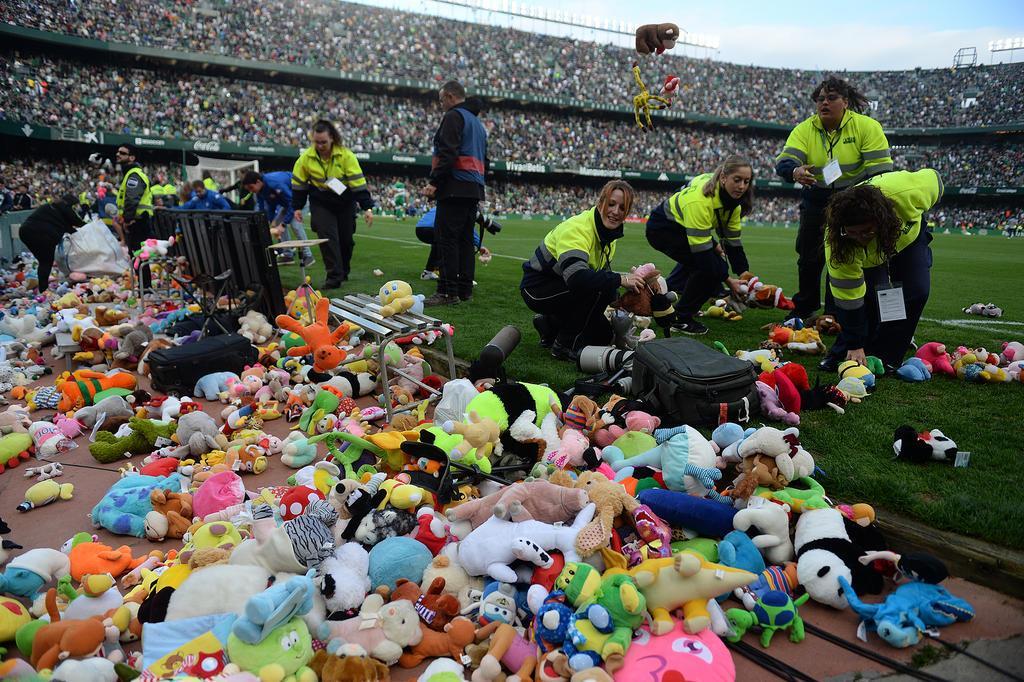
(43, 246)
(427, 236)
(697, 277)
(336, 224)
(454, 226)
(578, 316)
(139, 231)
(810, 262)
(889, 341)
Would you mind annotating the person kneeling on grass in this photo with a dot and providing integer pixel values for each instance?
(684, 226)
(569, 281)
(876, 236)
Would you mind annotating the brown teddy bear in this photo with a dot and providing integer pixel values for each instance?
(350, 663)
(656, 38)
(106, 317)
(450, 642)
(171, 515)
(436, 608)
(611, 500)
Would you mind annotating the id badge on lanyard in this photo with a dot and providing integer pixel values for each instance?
(832, 171)
(891, 307)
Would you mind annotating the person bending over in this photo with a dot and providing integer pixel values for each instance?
(876, 238)
(569, 281)
(44, 229)
(684, 227)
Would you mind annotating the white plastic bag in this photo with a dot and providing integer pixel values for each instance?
(455, 397)
(92, 249)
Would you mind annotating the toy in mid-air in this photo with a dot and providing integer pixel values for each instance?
(653, 38)
(645, 102)
(656, 38)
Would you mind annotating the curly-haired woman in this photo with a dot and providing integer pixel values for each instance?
(876, 238)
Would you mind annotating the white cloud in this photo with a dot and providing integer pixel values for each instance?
(850, 47)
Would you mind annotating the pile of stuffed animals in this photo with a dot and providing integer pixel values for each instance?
(505, 535)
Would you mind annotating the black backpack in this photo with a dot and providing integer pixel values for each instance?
(177, 369)
(687, 382)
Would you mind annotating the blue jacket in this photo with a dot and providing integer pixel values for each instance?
(276, 196)
(211, 201)
(426, 222)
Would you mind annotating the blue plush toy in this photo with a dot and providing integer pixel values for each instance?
(211, 385)
(551, 624)
(26, 574)
(685, 458)
(913, 608)
(705, 517)
(273, 607)
(123, 509)
(914, 369)
(737, 550)
(398, 557)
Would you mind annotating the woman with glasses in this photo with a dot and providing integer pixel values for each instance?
(835, 148)
(876, 248)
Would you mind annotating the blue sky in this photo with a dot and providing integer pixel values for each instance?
(855, 35)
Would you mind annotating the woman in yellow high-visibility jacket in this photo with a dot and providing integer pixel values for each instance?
(876, 236)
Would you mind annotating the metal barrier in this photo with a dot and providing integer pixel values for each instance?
(10, 223)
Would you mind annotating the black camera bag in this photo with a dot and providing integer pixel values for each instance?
(177, 369)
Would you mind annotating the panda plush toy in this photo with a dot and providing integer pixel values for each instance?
(824, 552)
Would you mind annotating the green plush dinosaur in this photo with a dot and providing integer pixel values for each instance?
(146, 436)
(802, 494)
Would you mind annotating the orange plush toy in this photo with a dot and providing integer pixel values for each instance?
(62, 639)
(78, 391)
(321, 342)
(96, 558)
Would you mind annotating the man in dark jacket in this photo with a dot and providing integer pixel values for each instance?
(457, 184)
(44, 229)
(22, 199)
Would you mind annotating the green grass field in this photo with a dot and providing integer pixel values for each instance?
(853, 449)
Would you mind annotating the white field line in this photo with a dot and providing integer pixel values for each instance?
(986, 324)
(419, 243)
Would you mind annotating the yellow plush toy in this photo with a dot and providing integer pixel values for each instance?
(395, 297)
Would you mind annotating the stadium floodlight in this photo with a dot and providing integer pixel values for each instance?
(1006, 44)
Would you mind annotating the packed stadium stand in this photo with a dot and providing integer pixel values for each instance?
(247, 78)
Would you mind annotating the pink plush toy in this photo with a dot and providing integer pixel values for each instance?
(1012, 352)
(772, 407)
(218, 492)
(569, 454)
(71, 428)
(635, 421)
(677, 656)
(935, 356)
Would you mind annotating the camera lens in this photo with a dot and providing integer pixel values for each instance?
(596, 359)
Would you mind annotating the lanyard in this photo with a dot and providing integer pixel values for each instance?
(825, 142)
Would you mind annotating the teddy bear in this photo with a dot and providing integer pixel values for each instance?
(656, 38)
(436, 608)
(349, 662)
(383, 630)
(107, 317)
(611, 500)
(171, 516)
(255, 327)
(133, 343)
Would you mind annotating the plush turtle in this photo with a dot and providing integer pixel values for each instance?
(774, 611)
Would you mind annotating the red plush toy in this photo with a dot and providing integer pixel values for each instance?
(321, 342)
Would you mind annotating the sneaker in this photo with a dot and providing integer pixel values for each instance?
(428, 274)
(440, 299)
(691, 327)
(467, 297)
(829, 364)
(286, 260)
(544, 330)
(560, 351)
(330, 284)
(308, 261)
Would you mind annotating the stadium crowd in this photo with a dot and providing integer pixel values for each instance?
(47, 179)
(346, 37)
(88, 97)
